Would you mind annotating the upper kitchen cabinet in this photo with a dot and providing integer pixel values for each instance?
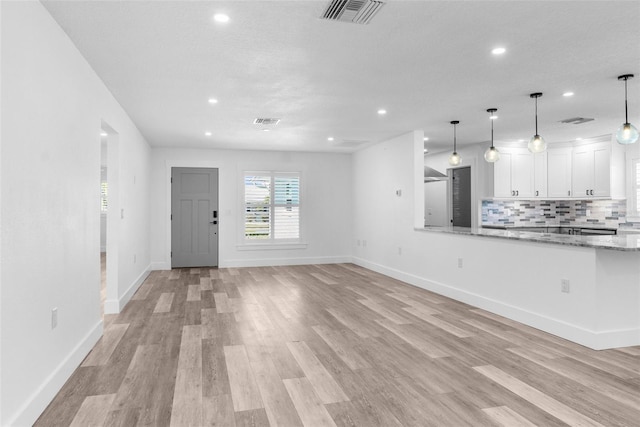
(592, 170)
(559, 172)
(514, 174)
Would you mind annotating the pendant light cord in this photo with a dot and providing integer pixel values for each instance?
(626, 117)
(536, 115)
(491, 131)
(454, 138)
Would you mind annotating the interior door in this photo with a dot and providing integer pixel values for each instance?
(461, 197)
(194, 217)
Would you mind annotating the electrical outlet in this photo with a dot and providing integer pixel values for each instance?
(358, 242)
(459, 262)
(399, 250)
(54, 317)
(134, 258)
(565, 286)
(364, 243)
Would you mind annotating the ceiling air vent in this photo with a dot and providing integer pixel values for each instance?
(576, 120)
(266, 122)
(354, 11)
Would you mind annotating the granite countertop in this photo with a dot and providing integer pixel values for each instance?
(627, 242)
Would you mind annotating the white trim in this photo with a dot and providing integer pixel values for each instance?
(29, 412)
(272, 262)
(116, 306)
(270, 246)
(597, 340)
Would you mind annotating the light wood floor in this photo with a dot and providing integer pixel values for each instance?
(333, 345)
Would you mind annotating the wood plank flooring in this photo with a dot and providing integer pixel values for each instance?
(333, 345)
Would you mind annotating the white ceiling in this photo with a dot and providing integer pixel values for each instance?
(425, 62)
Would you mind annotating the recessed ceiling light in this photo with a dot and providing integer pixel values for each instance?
(104, 134)
(382, 112)
(521, 140)
(221, 17)
(330, 138)
(498, 51)
(567, 94)
(578, 139)
(207, 134)
(265, 130)
(426, 138)
(213, 101)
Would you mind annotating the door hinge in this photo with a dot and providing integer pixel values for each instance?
(171, 217)
(171, 254)
(171, 179)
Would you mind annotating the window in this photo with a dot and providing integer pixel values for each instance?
(271, 206)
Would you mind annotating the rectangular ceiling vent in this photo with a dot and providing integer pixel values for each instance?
(576, 120)
(354, 11)
(266, 121)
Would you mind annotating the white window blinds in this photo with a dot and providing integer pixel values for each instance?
(272, 206)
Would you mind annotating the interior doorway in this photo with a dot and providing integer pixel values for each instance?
(460, 196)
(194, 217)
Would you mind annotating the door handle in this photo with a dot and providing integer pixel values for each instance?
(213, 222)
(587, 192)
(537, 193)
(591, 192)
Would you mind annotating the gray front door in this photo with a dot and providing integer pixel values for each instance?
(461, 197)
(194, 217)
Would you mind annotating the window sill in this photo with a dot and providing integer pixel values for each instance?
(270, 246)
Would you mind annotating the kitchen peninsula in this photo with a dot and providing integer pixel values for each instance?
(585, 289)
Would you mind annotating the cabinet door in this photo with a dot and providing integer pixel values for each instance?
(502, 175)
(540, 175)
(522, 173)
(601, 171)
(559, 172)
(582, 178)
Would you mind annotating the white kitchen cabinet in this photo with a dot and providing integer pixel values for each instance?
(513, 174)
(592, 170)
(540, 175)
(559, 172)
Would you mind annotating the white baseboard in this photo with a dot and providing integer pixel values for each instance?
(44, 394)
(126, 297)
(115, 306)
(597, 340)
(269, 262)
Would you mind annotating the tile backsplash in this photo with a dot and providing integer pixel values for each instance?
(529, 213)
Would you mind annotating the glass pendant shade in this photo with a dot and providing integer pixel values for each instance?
(455, 159)
(537, 144)
(492, 155)
(627, 134)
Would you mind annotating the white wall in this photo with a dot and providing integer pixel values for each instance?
(53, 105)
(326, 204)
(520, 280)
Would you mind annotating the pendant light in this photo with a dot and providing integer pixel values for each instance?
(492, 154)
(627, 133)
(537, 144)
(454, 159)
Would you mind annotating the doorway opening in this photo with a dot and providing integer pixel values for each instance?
(194, 217)
(460, 196)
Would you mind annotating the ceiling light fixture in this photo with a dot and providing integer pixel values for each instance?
(104, 134)
(213, 101)
(498, 51)
(627, 133)
(454, 159)
(492, 154)
(207, 134)
(382, 112)
(537, 144)
(567, 94)
(330, 138)
(221, 17)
